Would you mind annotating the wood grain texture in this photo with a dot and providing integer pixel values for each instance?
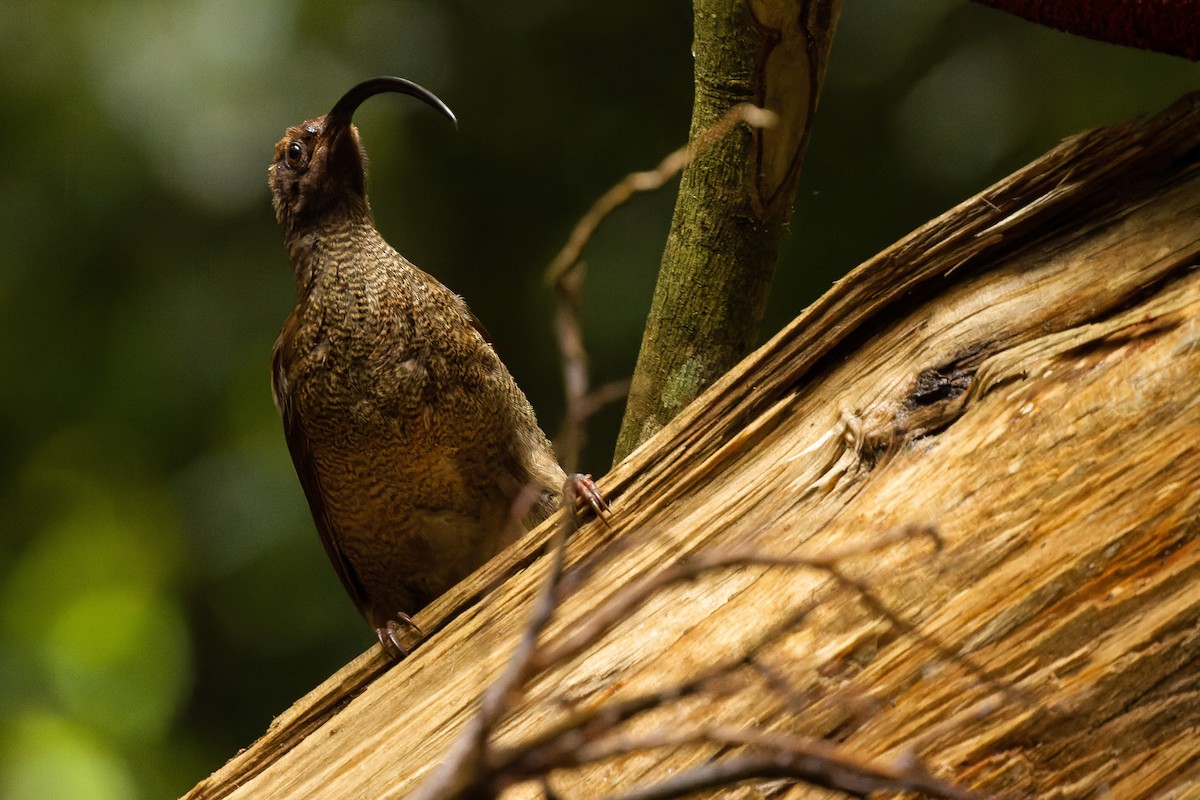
(1022, 374)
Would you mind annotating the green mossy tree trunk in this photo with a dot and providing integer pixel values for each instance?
(735, 200)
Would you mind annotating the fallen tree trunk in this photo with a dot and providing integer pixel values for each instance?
(1020, 376)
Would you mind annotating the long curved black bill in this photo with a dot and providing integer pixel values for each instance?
(344, 109)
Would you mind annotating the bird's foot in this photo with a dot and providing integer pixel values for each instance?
(399, 636)
(587, 492)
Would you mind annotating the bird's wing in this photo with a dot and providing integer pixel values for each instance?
(310, 481)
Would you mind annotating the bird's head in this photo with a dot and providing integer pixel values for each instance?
(320, 166)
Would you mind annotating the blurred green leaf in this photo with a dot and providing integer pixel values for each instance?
(119, 659)
(50, 758)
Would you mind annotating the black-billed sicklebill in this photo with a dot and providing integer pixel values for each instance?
(412, 441)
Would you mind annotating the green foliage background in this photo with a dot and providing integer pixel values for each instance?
(162, 594)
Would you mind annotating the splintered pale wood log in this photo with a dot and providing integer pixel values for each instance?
(1021, 374)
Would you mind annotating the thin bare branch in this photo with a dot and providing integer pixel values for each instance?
(566, 273)
(781, 757)
(875, 604)
(648, 181)
(557, 747)
(477, 768)
(465, 772)
(620, 604)
(604, 395)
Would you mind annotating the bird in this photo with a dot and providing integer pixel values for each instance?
(419, 455)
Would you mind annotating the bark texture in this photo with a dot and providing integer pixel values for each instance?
(735, 200)
(1021, 374)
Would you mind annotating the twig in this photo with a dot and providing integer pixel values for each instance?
(795, 702)
(477, 768)
(604, 394)
(565, 273)
(465, 772)
(650, 180)
(620, 604)
(790, 757)
(557, 747)
(875, 604)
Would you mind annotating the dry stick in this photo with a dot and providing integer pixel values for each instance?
(604, 394)
(558, 747)
(874, 603)
(565, 273)
(581, 402)
(573, 732)
(466, 771)
(789, 757)
(799, 757)
(583, 569)
(473, 768)
(580, 741)
(621, 603)
(795, 701)
(575, 368)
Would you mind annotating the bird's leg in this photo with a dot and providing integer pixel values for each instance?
(393, 641)
(586, 491)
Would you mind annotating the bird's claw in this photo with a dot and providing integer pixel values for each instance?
(587, 492)
(392, 638)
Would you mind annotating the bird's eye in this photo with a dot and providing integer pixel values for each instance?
(294, 154)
